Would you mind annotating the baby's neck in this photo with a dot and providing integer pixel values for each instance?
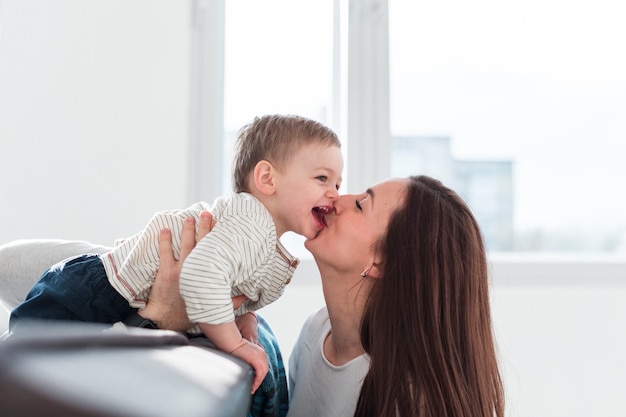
(267, 202)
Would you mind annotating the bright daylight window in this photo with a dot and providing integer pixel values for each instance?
(278, 59)
(521, 106)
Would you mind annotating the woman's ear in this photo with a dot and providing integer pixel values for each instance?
(374, 271)
(263, 177)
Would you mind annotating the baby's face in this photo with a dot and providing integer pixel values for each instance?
(307, 188)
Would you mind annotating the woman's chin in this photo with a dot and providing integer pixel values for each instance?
(315, 235)
(309, 242)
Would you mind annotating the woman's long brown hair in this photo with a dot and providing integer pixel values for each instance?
(427, 325)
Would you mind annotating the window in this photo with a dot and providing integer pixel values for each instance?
(529, 101)
(276, 60)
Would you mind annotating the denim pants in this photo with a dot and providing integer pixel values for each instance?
(76, 289)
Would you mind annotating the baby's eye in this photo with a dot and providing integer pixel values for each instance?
(322, 178)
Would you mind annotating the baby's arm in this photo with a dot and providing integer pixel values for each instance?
(227, 338)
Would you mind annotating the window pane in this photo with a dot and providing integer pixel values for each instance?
(278, 59)
(521, 107)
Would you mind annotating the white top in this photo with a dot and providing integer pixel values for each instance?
(241, 255)
(316, 386)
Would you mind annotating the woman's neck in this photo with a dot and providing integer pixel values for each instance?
(345, 300)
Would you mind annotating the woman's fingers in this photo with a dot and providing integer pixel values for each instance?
(167, 260)
(206, 224)
(165, 304)
(188, 238)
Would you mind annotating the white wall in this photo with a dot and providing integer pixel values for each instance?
(93, 116)
(559, 321)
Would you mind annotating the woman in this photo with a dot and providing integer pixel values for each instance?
(406, 330)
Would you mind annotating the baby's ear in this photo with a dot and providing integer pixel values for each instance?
(264, 177)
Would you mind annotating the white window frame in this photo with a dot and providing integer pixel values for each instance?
(369, 132)
(206, 92)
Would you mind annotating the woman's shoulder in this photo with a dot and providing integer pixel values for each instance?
(317, 321)
(312, 332)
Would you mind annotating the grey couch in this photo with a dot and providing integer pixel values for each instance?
(91, 370)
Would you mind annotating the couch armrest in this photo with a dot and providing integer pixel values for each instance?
(78, 369)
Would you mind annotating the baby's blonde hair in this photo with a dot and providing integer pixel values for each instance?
(275, 138)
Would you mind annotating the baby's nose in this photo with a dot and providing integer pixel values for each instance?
(332, 194)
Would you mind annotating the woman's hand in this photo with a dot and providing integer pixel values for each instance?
(248, 327)
(165, 305)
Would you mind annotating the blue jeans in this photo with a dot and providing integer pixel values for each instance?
(76, 289)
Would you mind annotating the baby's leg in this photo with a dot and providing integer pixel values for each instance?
(76, 289)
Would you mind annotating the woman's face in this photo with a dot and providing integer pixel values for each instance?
(348, 241)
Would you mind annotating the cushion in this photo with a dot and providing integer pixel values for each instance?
(23, 261)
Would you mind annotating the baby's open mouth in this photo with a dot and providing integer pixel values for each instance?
(319, 213)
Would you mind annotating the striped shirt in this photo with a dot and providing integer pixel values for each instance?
(241, 256)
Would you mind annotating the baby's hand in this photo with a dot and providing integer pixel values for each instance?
(256, 357)
(227, 338)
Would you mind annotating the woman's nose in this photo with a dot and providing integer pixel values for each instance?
(342, 202)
